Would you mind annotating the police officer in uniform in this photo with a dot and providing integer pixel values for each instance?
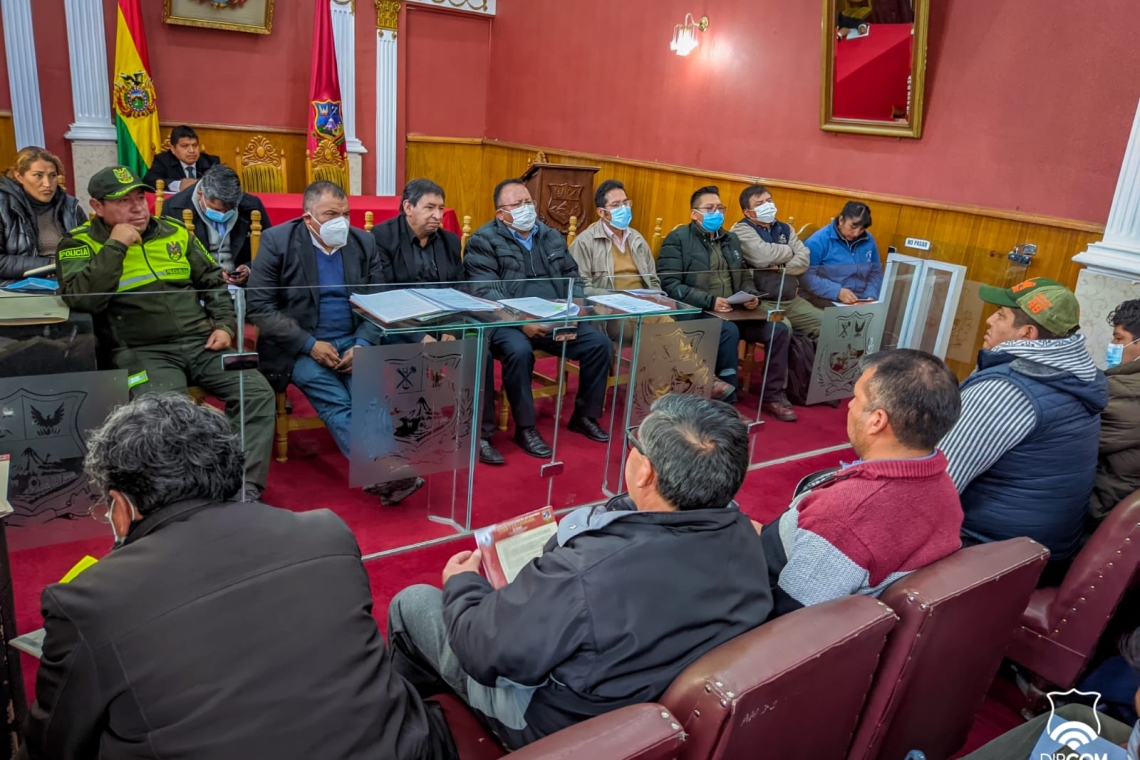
(162, 308)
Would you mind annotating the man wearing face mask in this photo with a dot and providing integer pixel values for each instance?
(703, 265)
(222, 219)
(1023, 455)
(298, 295)
(519, 256)
(1118, 466)
(215, 629)
(777, 257)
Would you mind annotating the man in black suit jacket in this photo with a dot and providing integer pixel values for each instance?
(182, 165)
(216, 628)
(417, 250)
(222, 219)
(298, 296)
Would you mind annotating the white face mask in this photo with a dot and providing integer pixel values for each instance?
(114, 531)
(524, 217)
(334, 232)
(766, 212)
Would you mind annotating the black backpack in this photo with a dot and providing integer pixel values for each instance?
(801, 359)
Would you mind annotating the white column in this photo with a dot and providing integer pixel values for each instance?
(386, 84)
(344, 33)
(1118, 254)
(90, 90)
(23, 74)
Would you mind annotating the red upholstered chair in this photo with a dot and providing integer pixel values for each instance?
(956, 617)
(1061, 626)
(791, 688)
(639, 732)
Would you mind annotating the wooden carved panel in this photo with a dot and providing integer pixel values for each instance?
(387, 14)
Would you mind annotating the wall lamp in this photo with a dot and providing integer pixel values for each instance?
(685, 34)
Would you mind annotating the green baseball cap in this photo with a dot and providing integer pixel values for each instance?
(114, 182)
(1047, 302)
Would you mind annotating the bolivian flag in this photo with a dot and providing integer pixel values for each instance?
(136, 108)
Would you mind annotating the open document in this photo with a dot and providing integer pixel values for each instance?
(860, 302)
(628, 304)
(393, 306)
(541, 308)
(509, 546)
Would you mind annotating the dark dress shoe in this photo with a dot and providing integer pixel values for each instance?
(531, 443)
(392, 493)
(588, 427)
(488, 454)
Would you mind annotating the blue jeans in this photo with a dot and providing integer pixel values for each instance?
(330, 392)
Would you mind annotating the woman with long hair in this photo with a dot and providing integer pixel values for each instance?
(35, 212)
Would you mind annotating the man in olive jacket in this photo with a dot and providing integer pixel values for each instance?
(701, 264)
(162, 308)
(1118, 464)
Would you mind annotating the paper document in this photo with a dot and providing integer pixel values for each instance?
(540, 307)
(646, 292)
(455, 300)
(32, 643)
(740, 298)
(508, 547)
(396, 305)
(24, 309)
(5, 505)
(628, 304)
(860, 302)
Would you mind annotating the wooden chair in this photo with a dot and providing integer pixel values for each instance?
(254, 234)
(572, 231)
(749, 362)
(466, 235)
(261, 167)
(287, 423)
(658, 238)
(188, 220)
(806, 230)
(328, 165)
(159, 196)
(547, 387)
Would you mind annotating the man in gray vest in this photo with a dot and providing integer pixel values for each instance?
(1023, 454)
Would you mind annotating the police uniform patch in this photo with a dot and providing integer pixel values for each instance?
(123, 175)
(82, 252)
(175, 251)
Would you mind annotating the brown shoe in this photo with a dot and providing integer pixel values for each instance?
(721, 391)
(779, 407)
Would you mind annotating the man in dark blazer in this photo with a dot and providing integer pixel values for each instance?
(517, 256)
(182, 165)
(222, 219)
(215, 628)
(417, 250)
(298, 296)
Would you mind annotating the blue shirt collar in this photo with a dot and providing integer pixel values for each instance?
(527, 242)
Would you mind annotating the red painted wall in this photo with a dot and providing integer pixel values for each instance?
(449, 59)
(1026, 109)
(5, 96)
(54, 68)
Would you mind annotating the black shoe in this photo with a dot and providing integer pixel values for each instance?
(488, 454)
(588, 427)
(393, 493)
(531, 443)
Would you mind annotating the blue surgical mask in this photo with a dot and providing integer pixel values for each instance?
(1114, 355)
(218, 216)
(621, 217)
(713, 221)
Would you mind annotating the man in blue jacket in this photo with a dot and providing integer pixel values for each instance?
(845, 264)
(1023, 454)
(605, 618)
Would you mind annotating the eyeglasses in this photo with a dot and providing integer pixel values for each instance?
(632, 442)
(711, 209)
(100, 512)
(626, 203)
(516, 206)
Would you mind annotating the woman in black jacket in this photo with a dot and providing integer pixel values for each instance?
(35, 212)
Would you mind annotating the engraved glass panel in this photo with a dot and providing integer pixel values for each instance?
(848, 332)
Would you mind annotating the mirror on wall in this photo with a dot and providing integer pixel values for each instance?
(874, 66)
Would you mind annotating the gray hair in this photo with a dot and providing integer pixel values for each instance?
(220, 183)
(699, 449)
(161, 449)
(318, 190)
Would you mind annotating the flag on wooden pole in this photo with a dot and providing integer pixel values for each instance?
(326, 124)
(133, 98)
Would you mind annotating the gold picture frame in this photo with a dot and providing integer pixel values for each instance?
(911, 126)
(249, 16)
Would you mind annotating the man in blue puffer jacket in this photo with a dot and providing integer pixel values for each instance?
(1024, 452)
(845, 264)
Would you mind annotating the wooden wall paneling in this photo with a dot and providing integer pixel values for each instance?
(221, 140)
(7, 140)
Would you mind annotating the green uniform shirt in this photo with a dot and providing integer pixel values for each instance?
(720, 279)
(165, 289)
